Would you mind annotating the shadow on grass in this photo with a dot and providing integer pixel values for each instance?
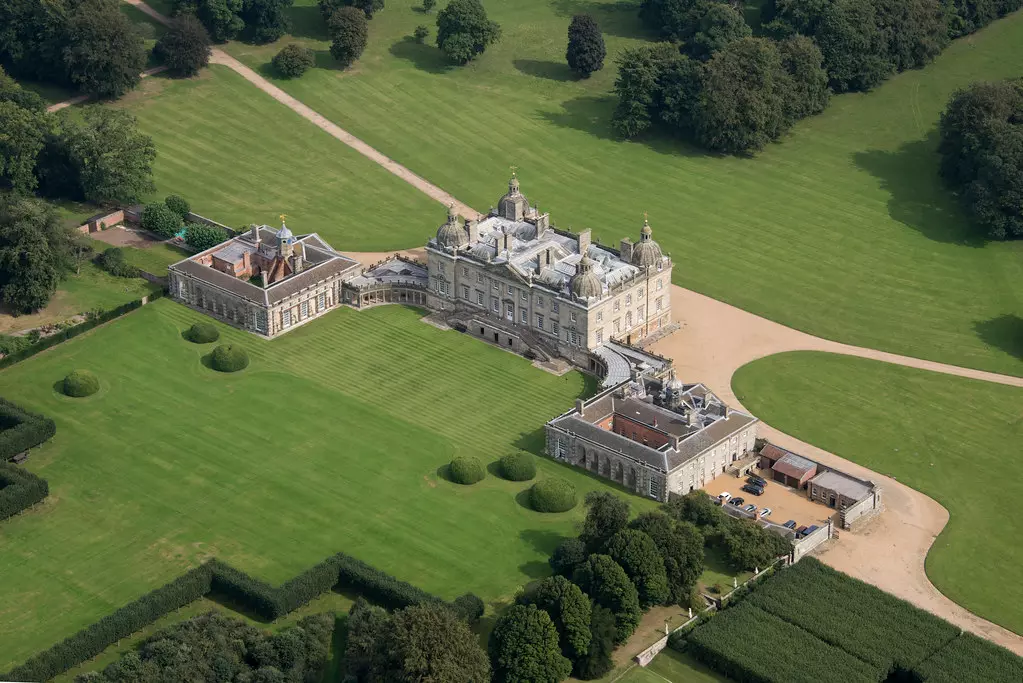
(235, 606)
(1004, 332)
(553, 71)
(615, 19)
(919, 199)
(307, 22)
(424, 57)
(542, 540)
(535, 569)
(522, 498)
(322, 59)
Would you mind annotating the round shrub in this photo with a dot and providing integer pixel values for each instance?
(466, 470)
(178, 205)
(202, 333)
(229, 358)
(469, 608)
(517, 467)
(80, 383)
(293, 60)
(160, 219)
(552, 495)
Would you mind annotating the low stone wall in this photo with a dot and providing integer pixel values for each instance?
(191, 217)
(863, 510)
(808, 544)
(155, 279)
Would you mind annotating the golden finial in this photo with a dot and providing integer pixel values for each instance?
(283, 216)
(513, 170)
(645, 217)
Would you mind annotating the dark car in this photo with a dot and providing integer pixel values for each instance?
(810, 529)
(800, 530)
(755, 490)
(737, 501)
(791, 524)
(756, 481)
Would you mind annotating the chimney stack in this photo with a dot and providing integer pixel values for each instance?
(543, 222)
(255, 234)
(472, 226)
(626, 249)
(262, 276)
(584, 241)
(579, 406)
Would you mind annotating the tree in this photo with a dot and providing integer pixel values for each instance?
(607, 514)
(464, 31)
(524, 647)
(428, 5)
(586, 50)
(11, 91)
(104, 54)
(695, 507)
(111, 160)
(718, 26)
(675, 19)
(33, 246)
(367, 626)
(21, 140)
(913, 32)
(638, 556)
(221, 18)
(567, 556)
(420, 34)
(265, 20)
(349, 33)
(203, 237)
(597, 662)
(680, 545)
(609, 586)
(469, 607)
(569, 609)
(157, 218)
(185, 47)
(367, 6)
(430, 643)
(639, 88)
(32, 39)
(178, 205)
(807, 92)
(982, 154)
(293, 60)
(749, 545)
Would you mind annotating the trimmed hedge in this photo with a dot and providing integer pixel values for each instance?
(112, 260)
(202, 333)
(216, 576)
(466, 470)
(229, 358)
(80, 383)
(517, 467)
(71, 332)
(21, 430)
(552, 495)
(19, 490)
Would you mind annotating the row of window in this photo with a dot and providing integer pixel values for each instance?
(304, 310)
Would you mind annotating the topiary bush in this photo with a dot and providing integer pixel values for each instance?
(160, 219)
(178, 205)
(202, 333)
(229, 358)
(552, 495)
(293, 60)
(466, 470)
(80, 383)
(517, 466)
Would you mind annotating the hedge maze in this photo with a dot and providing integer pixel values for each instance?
(19, 489)
(20, 430)
(219, 578)
(812, 623)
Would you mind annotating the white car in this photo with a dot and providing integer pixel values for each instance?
(765, 512)
(724, 496)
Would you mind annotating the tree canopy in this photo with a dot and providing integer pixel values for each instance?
(586, 50)
(609, 586)
(603, 634)
(680, 545)
(569, 609)
(524, 647)
(751, 546)
(606, 515)
(104, 53)
(464, 30)
(567, 556)
(33, 252)
(185, 47)
(638, 556)
(348, 35)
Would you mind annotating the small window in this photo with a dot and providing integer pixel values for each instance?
(510, 292)
(321, 301)
(554, 328)
(628, 320)
(479, 297)
(539, 301)
(640, 292)
(628, 299)
(522, 295)
(522, 315)
(304, 310)
(465, 272)
(495, 285)
(618, 326)
(479, 277)
(600, 316)
(286, 318)
(639, 313)
(465, 292)
(659, 302)
(554, 306)
(495, 305)
(600, 336)
(660, 285)
(539, 322)
(617, 305)
(572, 316)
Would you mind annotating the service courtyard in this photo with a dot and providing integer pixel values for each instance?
(334, 438)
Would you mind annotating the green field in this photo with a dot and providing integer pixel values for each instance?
(843, 229)
(155, 259)
(239, 157)
(332, 439)
(956, 440)
(674, 667)
(92, 288)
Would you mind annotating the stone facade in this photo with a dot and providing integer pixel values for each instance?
(263, 281)
(654, 437)
(549, 288)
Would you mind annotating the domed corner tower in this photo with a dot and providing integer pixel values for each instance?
(285, 241)
(585, 284)
(513, 206)
(451, 235)
(647, 253)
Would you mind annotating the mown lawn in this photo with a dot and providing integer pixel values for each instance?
(240, 157)
(332, 439)
(956, 440)
(843, 229)
(674, 667)
(155, 259)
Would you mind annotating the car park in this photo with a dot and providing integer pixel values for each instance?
(755, 490)
(791, 524)
(737, 501)
(750, 508)
(765, 512)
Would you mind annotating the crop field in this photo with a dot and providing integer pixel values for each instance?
(334, 438)
(811, 623)
(956, 440)
(843, 229)
(239, 157)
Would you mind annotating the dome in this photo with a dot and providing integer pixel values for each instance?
(585, 284)
(647, 252)
(284, 233)
(513, 205)
(451, 234)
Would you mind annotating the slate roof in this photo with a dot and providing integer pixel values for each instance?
(309, 277)
(707, 437)
(795, 466)
(393, 271)
(849, 487)
(214, 277)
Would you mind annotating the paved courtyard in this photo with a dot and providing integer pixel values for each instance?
(786, 503)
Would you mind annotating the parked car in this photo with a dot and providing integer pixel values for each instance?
(791, 524)
(800, 530)
(737, 501)
(810, 529)
(724, 496)
(750, 508)
(765, 512)
(756, 481)
(755, 490)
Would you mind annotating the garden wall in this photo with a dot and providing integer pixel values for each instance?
(861, 511)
